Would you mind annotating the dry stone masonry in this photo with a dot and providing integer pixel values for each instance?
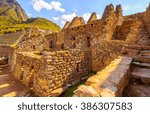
(49, 63)
(109, 82)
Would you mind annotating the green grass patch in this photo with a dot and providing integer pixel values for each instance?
(69, 92)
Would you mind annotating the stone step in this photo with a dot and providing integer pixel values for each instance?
(143, 65)
(146, 52)
(141, 73)
(130, 52)
(144, 59)
(137, 47)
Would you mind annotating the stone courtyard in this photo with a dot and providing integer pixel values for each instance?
(116, 47)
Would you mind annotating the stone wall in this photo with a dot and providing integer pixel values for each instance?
(88, 38)
(7, 52)
(93, 17)
(128, 31)
(92, 36)
(147, 18)
(33, 40)
(56, 41)
(27, 66)
(109, 82)
(119, 15)
(104, 52)
(62, 69)
(48, 72)
(109, 19)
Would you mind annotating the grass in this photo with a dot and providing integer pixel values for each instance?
(6, 26)
(13, 19)
(69, 92)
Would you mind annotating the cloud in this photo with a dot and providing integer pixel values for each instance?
(57, 6)
(55, 18)
(67, 17)
(38, 5)
(86, 16)
(29, 14)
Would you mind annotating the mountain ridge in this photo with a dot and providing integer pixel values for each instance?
(12, 10)
(13, 18)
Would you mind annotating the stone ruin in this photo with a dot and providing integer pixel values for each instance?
(51, 63)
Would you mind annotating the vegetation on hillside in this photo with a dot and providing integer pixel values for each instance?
(7, 26)
(13, 18)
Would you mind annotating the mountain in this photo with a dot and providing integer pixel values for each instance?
(13, 18)
(12, 11)
(42, 23)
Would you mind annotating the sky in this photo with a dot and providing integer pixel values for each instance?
(60, 11)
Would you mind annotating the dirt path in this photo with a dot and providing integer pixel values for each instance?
(9, 86)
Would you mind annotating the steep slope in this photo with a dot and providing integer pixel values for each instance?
(12, 11)
(42, 23)
(13, 18)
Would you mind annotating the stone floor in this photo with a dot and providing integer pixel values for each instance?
(9, 86)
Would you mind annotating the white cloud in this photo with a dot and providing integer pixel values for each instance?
(62, 23)
(68, 17)
(55, 18)
(38, 5)
(29, 14)
(86, 16)
(57, 6)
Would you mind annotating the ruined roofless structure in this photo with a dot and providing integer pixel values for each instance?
(51, 63)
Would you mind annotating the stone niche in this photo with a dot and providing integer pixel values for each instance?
(6, 54)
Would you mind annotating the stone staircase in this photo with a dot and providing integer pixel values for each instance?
(139, 85)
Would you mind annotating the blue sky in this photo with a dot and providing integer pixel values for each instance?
(60, 11)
